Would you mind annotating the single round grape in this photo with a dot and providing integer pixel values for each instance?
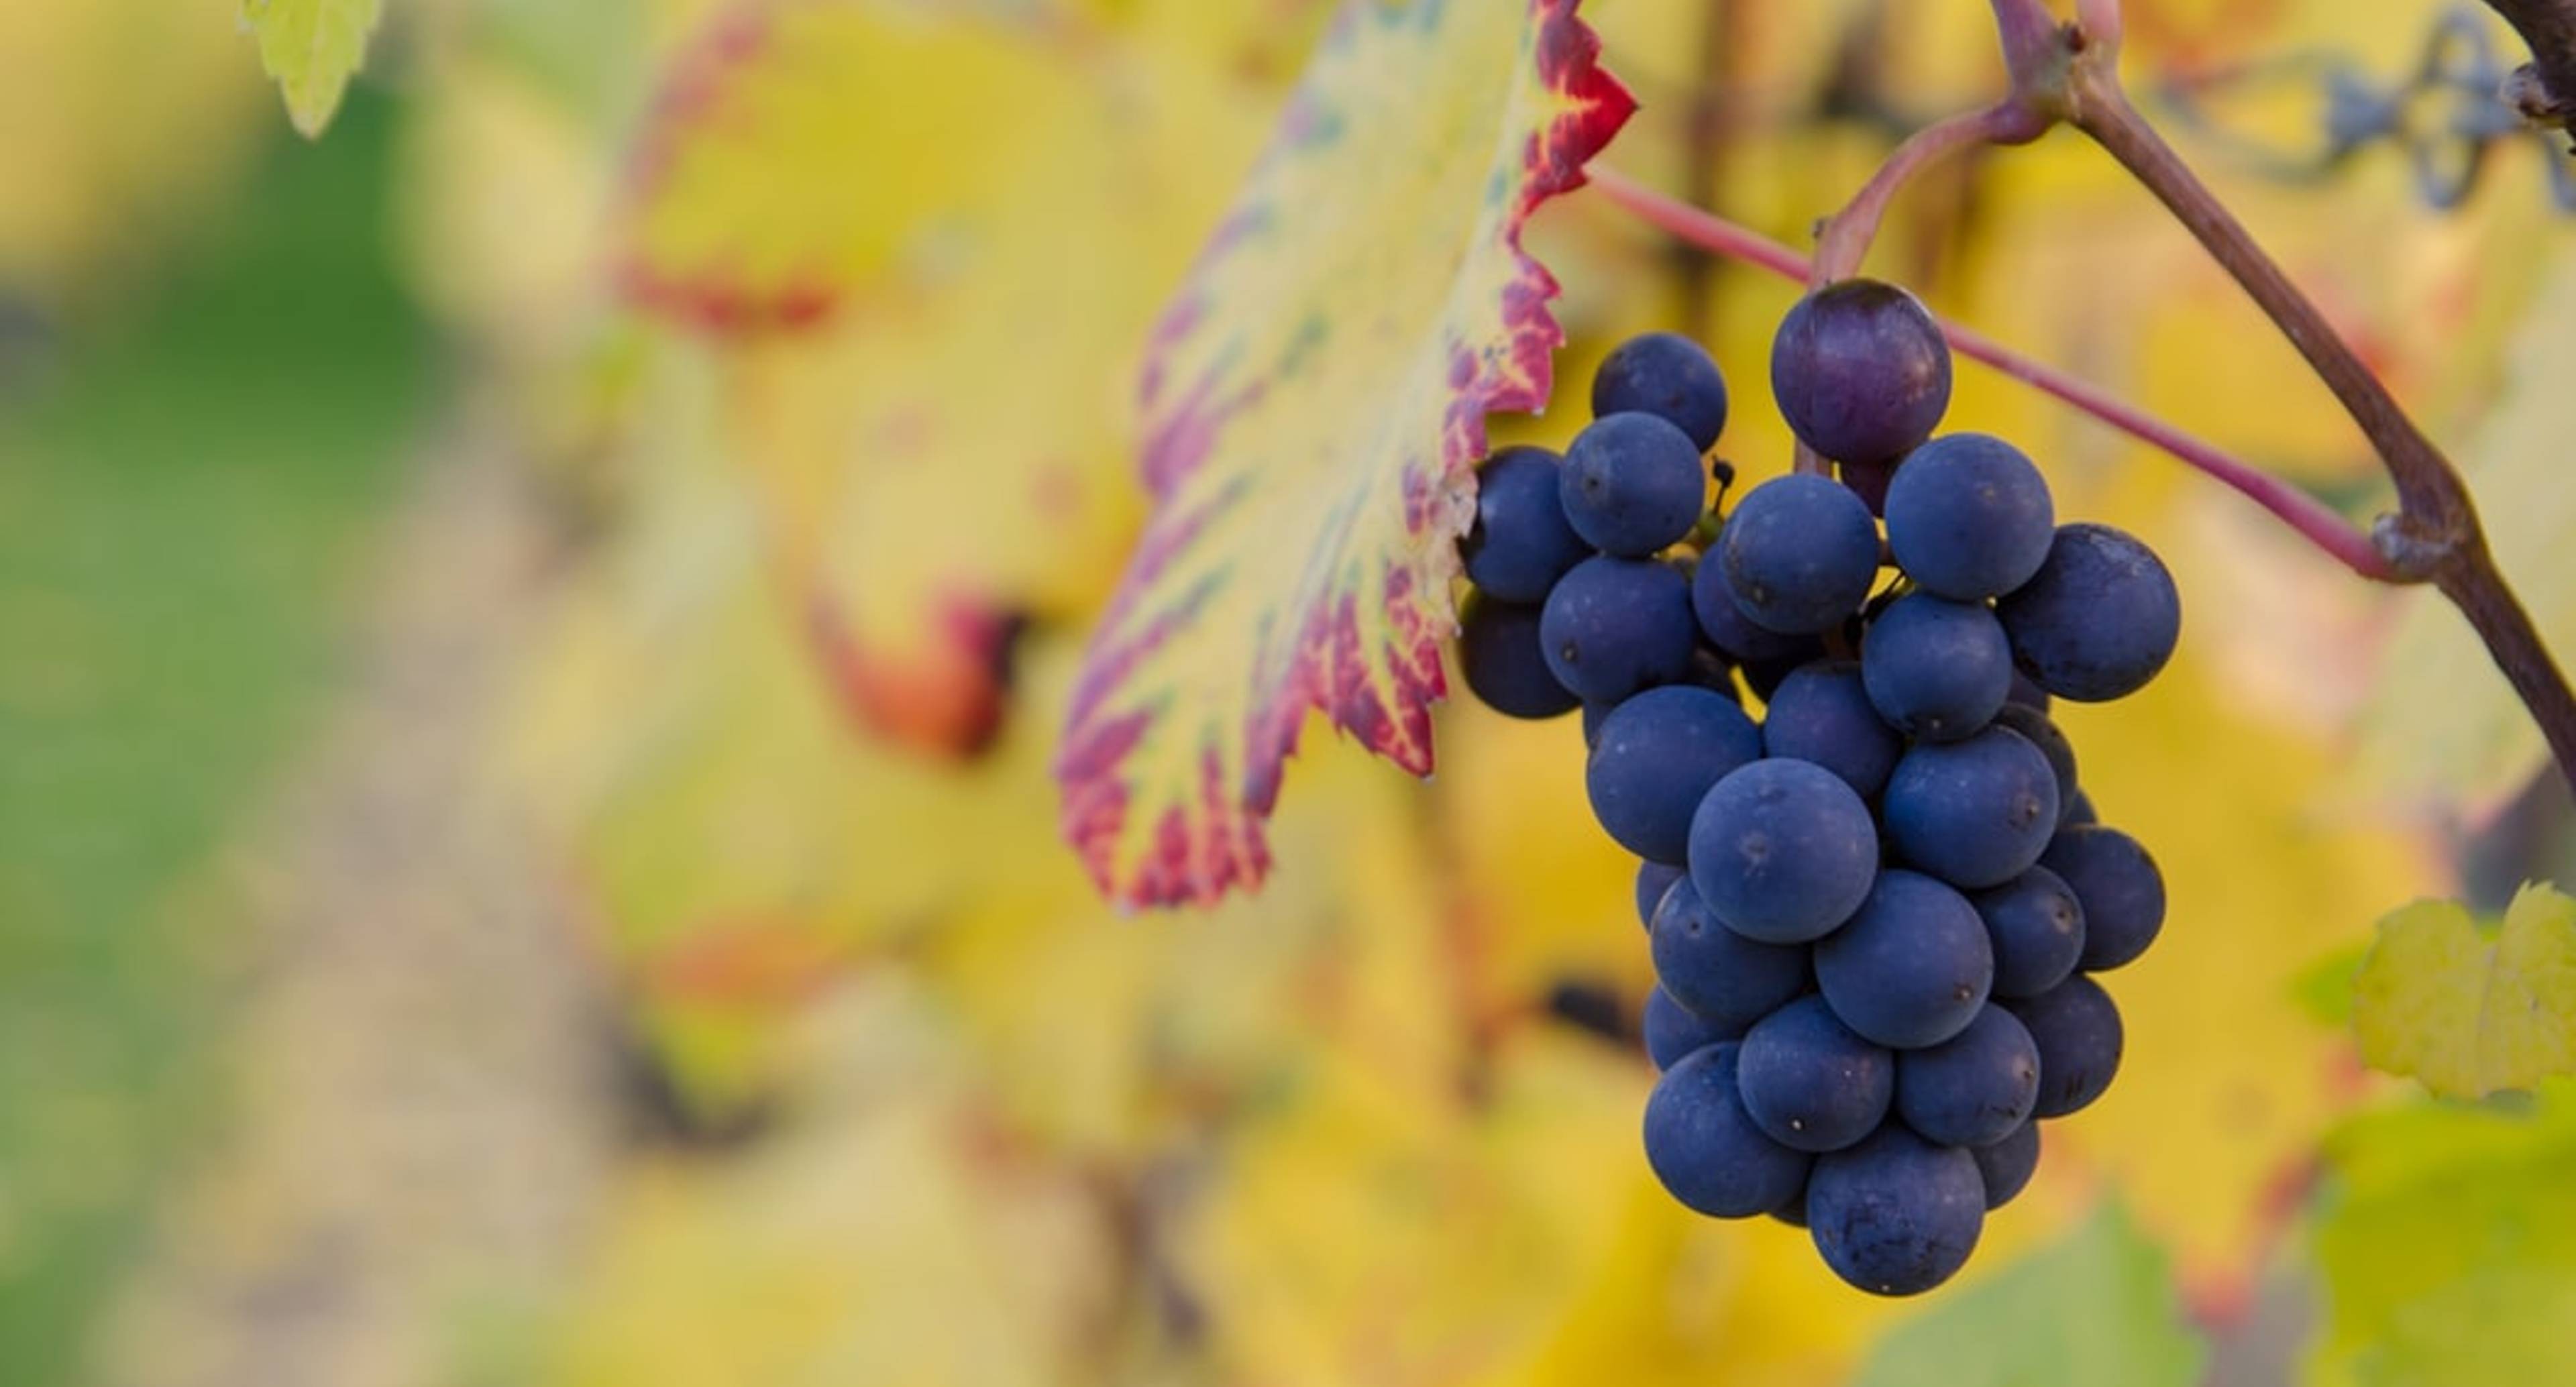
(1520, 543)
(1730, 631)
(2122, 891)
(2077, 1029)
(1704, 1148)
(2006, 1166)
(1974, 1088)
(2098, 620)
(1809, 1083)
(2082, 813)
(1936, 669)
(1499, 653)
(1653, 880)
(1911, 966)
(1869, 481)
(1631, 484)
(2026, 693)
(1722, 977)
(1782, 851)
(1969, 517)
(2037, 927)
(1800, 554)
(1861, 371)
(1896, 1215)
(1975, 813)
(1673, 1030)
(1669, 376)
(1614, 626)
(2036, 729)
(1821, 713)
(1658, 755)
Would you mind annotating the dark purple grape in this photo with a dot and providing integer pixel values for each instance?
(2037, 928)
(1974, 1088)
(2122, 892)
(1707, 1151)
(1731, 632)
(1975, 813)
(1632, 484)
(2026, 693)
(2082, 813)
(1520, 543)
(1498, 652)
(1653, 880)
(1667, 375)
(1673, 1031)
(1911, 966)
(1869, 481)
(2098, 620)
(2036, 729)
(1782, 851)
(1969, 517)
(1615, 626)
(1861, 371)
(1821, 713)
(1658, 755)
(2006, 1166)
(1719, 975)
(1935, 669)
(1809, 1083)
(1714, 672)
(2077, 1029)
(1896, 1215)
(1800, 554)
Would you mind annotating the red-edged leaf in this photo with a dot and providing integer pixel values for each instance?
(1313, 409)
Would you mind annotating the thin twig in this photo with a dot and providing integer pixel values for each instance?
(2435, 534)
(2311, 518)
(2548, 95)
(1844, 239)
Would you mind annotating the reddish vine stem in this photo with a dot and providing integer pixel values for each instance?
(2312, 519)
(2435, 535)
(1844, 239)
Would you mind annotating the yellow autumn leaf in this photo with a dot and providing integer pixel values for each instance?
(1314, 404)
(312, 48)
(2466, 1011)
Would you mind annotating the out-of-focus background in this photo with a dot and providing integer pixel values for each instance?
(532, 628)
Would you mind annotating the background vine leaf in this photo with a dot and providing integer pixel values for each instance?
(2470, 1011)
(885, 217)
(312, 48)
(2098, 1309)
(1313, 408)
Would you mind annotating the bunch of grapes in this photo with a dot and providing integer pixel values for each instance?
(1875, 914)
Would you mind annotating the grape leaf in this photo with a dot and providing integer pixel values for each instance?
(2445, 1239)
(2442, 721)
(1313, 407)
(2098, 1309)
(918, 518)
(2466, 1011)
(312, 48)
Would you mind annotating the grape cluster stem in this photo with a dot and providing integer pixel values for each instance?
(2067, 73)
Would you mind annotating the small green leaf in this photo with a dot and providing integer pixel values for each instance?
(2324, 989)
(2446, 1244)
(2471, 1011)
(312, 48)
(2097, 1310)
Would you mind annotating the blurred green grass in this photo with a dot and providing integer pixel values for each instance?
(186, 499)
